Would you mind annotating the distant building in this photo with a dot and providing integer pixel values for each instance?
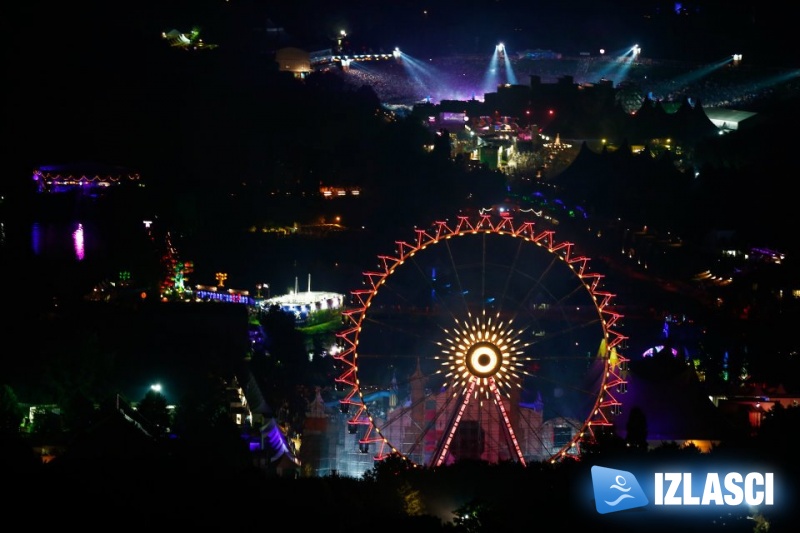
(339, 442)
(332, 191)
(85, 178)
(294, 60)
(538, 439)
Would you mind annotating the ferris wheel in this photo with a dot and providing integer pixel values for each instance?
(482, 338)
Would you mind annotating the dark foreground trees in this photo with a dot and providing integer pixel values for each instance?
(162, 486)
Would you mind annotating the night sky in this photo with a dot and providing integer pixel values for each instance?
(666, 28)
(110, 35)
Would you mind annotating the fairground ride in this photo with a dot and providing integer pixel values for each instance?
(483, 338)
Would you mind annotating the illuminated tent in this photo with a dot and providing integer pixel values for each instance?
(672, 399)
(729, 119)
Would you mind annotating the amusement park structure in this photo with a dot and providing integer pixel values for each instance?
(483, 338)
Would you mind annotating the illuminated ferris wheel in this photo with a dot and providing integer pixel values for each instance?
(482, 339)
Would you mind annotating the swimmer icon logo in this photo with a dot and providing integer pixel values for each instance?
(616, 490)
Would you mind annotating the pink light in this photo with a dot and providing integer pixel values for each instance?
(78, 243)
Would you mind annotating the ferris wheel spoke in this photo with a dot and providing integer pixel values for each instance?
(456, 269)
(570, 329)
(536, 284)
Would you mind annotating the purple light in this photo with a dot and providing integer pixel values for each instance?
(36, 238)
(658, 349)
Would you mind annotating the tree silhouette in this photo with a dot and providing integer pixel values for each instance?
(478, 515)
(48, 424)
(11, 412)
(16, 454)
(636, 436)
(78, 411)
(207, 431)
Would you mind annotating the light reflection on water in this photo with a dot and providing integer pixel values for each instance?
(58, 258)
(63, 241)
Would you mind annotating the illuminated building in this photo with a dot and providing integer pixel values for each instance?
(330, 192)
